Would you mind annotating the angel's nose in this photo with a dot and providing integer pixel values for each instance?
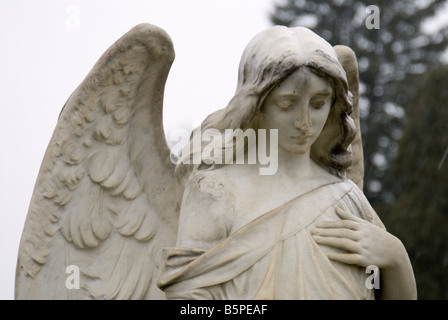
(303, 122)
(302, 125)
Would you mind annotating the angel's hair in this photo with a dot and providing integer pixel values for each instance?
(262, 68)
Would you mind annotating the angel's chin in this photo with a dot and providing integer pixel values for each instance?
(297, 148)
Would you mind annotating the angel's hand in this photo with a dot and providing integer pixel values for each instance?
(364, 243)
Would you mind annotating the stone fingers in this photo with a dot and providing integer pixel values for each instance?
(336, 233)
(339, 243)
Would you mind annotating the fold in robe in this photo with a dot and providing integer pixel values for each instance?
(274, 256)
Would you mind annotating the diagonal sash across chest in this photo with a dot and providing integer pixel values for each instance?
(187, 268)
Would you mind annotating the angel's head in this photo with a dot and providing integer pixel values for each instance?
(297, 108)
(280, 55)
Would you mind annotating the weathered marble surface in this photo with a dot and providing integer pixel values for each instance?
(110, 202)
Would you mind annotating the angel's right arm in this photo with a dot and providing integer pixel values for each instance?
(205, 211)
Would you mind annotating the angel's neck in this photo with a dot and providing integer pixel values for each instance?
(296, 165)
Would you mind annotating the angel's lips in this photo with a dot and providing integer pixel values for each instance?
(302, 139)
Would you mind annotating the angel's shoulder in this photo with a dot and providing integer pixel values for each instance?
(206, 209)
(216, 184)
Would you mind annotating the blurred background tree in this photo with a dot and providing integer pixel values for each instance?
(419, 217)
(404, 129)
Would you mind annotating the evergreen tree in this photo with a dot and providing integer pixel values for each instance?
(420, 215)
(391, 59)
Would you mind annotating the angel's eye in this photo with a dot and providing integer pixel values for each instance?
(319, 100)
(284, 105)
(317, 104)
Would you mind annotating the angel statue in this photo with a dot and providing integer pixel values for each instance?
(112, 203)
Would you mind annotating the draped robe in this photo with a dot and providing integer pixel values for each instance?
(274, 256)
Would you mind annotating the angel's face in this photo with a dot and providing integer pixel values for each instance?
(298, 107)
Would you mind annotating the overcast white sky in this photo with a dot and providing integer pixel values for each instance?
(49, 46)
